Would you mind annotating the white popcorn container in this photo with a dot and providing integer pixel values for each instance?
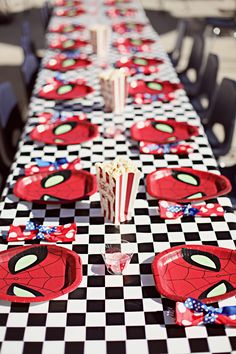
(100, 36)
(114, 89)
(117, 194)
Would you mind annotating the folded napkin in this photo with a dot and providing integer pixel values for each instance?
(170, 210)
(58, 116)
(47, 166)
(33, 231)
(58, 79)
(73, 54)
(145, 98)
(193, 312)
(161, 149)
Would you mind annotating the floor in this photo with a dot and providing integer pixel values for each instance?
(164, 15)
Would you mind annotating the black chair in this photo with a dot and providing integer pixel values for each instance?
(176, 52)
(4, 172)
(26, 41)
(230, 173)
(29, 71)
(220, 24)
(194, 64)
(46, 12)
(223, 112)
(11, 124)
(202, 98)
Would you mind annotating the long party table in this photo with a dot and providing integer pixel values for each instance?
(113, 314)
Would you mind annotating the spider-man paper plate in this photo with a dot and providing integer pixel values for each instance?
(63, 63)
(162, 132)
(116, 2)
(68, 3)
(66, 28)
(69, 12)
(145, 92)
(206, 273)
(137, 65)
(183, 185)
(131, 45)
(124, 27)
(59, 90)
(57, 187)
(115, 12)
(38, 273)
(69, 132)
(64, 43)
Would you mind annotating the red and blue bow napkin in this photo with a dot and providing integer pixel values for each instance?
(170, 210)
(33, 231)
(161, 149)
(46, 166)
(193, 312)
(58, 116)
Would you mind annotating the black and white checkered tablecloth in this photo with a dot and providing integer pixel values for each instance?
(112, 314)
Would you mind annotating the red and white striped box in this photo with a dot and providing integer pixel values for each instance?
(114, 89)
(118, 188)
(100, 36)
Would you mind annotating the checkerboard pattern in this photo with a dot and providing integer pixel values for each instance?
(112, 314)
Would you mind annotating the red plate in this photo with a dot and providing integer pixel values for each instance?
(131, 45)
(183, 185)
(206, 273)
(162, 132)
(38, 273)
(150, 91)
(64, 43)
(69, 12)
(124, 27)
(64, 63)
(56, 90)
(57, 187)
(69, 28)
(137, 65)
(115, 12)
(69, 132)
(116, 2)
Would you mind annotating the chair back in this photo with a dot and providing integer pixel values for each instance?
(196, 55)
(25, 28)
(181, 32)
(223, 111)
(4, 171)
(208, 82)
(26, 41)
(8, 102)
(45, 14)
(29, 72)
(11, 123)
(230, 173)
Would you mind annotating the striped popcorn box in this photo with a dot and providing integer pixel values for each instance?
(107, 89)
(100, 39)
(118, 182)
(114, 89)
